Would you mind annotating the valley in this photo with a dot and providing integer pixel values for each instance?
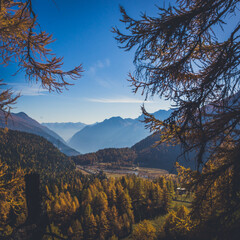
(110, 171)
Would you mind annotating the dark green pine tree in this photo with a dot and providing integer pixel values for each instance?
(90, 229)
(166, 197)
(103, 226)
(77, 230)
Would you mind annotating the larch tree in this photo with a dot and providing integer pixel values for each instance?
(12, 196)
(144, 231)
(182, 56)
(22, 41)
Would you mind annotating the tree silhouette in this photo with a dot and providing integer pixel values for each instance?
(180, 57)
(22, 41)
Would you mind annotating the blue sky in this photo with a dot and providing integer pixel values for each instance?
(82, 29)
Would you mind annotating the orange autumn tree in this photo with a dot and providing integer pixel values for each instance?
(181, 56)
(144, 231)
(22, 41)
(12, 200)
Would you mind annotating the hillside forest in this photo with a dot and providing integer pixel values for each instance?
(77, 206)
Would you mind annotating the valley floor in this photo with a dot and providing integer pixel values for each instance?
(148, 173)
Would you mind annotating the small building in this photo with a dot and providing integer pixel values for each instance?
(181, 191)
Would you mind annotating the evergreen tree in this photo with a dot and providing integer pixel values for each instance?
(100, 203)
(103, 226)
(166, 194)
(112, 197)
(77, 231)
(139, 198)
(90, 229)
(113, 221)
(170, 186)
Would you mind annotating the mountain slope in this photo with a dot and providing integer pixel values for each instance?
(22, 122)
(143, 153)
(65, 130)
(112, 133)
(119, 156)
(29, 151)
(161, 156)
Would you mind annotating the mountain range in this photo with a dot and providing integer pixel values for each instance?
(66, 129)
(113, 136)
(22, 122)
(115, 132)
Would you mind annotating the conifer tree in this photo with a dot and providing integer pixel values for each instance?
(139, 198)
(90, 228)
(178, 225)
(87, 211)
(181, 57)
(124, 203)
(87, 196)
(12, 201)
(54, 229)
(157, 196)
(170, 187)
(57, 207)
(77, 231)
(166, 199)
(113, 221)
(144, 231)
(103, 226)
(112, 197)
(100, 203)
(127, 224)
(24, 42)
(56, 190)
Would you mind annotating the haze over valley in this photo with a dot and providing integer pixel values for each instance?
(114, 132)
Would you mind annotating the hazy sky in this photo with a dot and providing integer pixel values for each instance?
(82, 29)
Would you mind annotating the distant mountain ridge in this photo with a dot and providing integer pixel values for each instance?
(65, 129)
(114, 132)
(22, 122)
